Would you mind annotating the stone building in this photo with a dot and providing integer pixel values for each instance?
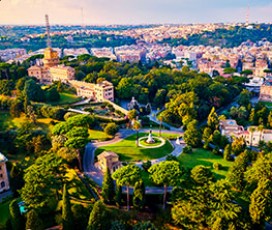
(108, 159)
(4, 181)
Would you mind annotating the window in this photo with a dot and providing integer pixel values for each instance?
(1, 175)
(3, 184)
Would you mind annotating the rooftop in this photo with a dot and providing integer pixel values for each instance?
(3, 158)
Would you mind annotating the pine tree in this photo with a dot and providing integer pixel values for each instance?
(118, 196)
(67, 217)
(213, 121)
(33, 221)
(108, 191)
(98, 219)
(139, 195)
(227, 152)
(15, 216)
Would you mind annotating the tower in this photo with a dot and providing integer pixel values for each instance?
(51, 57)
(48, 41)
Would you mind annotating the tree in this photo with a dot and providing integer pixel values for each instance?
(67, 217)
(139, 195)
(108, 190)
(16, 108)
(261, 202)
(165, 173)
(192, 135)
(227, 152)
(15, 215)
(136, 125)
(132, 114)
(202, 175)
(213, 120)
(244, 98)
(5, 87)
(237, 170)
(125, 88)
(127, 175)
(98, 219)
(252, 129)
(111, 129)
(33, 220)
(33, 91)
(207, 136)
(147, 225)
(52, 94)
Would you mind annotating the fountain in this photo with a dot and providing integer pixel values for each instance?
(150, 139)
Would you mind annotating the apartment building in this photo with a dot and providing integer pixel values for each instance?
(4, 181)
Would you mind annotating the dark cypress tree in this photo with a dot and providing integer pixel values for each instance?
(15, 215)
(108, 191)
(67, 217)
(33, 220)
(98, 219)
(118, 196)
(139, 195)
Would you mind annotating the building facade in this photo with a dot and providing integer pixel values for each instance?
(4, 181)
(266, 92)
(108, 160)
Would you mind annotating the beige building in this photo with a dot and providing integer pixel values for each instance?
(51, 70)
(230, 128)
(4, 181)
(109, 160)
(62, 73)
(254, 135)
(266, 92)
(97, 92)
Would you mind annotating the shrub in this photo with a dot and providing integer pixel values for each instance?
(111, 129)
(187, 149)
(217, 166)
(146, 165)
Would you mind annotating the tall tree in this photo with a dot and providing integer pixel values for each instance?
(213, 120)
(98, 219)
(67, 217)
(139, 195)
(192, 135)
(33, 220)
(165, 173)
(201, 174)
(15, 215)
(108, 190)
(127, 175)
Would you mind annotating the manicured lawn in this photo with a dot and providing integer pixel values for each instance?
(66, 98)
(205, 158)
(268, 104)
(127, 150)
(98, 135)
(4, 212)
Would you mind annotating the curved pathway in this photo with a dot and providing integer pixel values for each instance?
(91, 171)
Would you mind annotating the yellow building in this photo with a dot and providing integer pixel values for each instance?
(51, 57)
(62, 73)
(266, 92)
(4, 181)
(108, 160)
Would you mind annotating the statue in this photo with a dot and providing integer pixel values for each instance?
(177, 141)
(150, 139)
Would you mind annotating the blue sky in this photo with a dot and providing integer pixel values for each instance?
(133, 11)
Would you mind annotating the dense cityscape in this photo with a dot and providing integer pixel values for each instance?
(149, 126)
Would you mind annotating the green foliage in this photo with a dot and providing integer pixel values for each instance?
(202, 175)
(98, 219)
(67, 217)
(261, 202)
(111, 129)
(217, 166)
(237, 170)
(139, 195)
(187, 149)
(227, 152)
(108, 190)
(52, 94)
(43, 179)
(15, 215)
(213, 120)
(5, 87)
(192, 135)
(146, 165)
(147, 225)
(117, 225)
(34, 91)
(33, 220)
(80, 216)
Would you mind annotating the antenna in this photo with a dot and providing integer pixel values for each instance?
(247, 15)
(48, 41)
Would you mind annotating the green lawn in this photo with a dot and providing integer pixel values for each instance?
(4, 212)
(66, 98)
(206, 158)
(98, 135)
(268, 104)
(127, 150)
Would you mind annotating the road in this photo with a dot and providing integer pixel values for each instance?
(96, 175)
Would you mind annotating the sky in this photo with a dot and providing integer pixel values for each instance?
(133, 11)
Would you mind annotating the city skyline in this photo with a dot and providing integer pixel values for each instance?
(133, 12)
